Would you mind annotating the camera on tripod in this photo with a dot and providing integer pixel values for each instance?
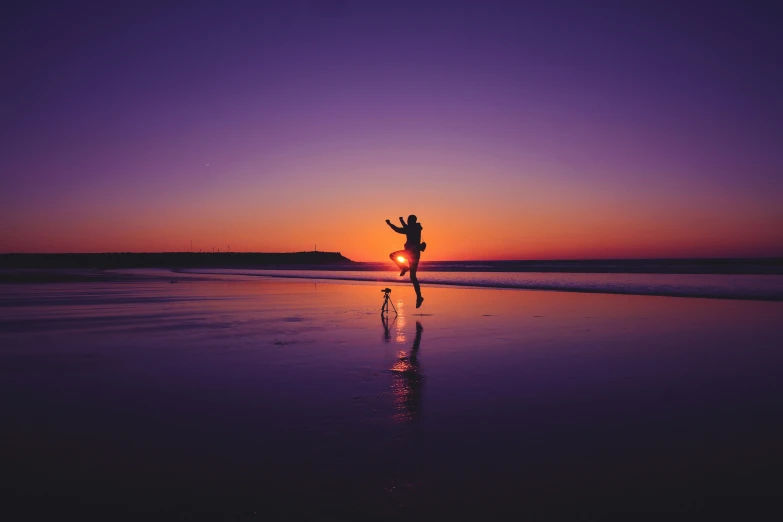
(386, 301)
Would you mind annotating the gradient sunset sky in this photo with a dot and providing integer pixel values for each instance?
(513, 131)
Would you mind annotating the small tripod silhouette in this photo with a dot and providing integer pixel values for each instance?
(387, 301)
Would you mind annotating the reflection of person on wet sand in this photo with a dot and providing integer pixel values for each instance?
(408, 259)
(407, 388)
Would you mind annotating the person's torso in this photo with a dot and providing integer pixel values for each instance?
(413, 236)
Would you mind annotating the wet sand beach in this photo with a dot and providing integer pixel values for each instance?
(250, 398)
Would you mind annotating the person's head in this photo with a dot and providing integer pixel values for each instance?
(411, 219)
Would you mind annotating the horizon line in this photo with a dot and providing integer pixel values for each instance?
(664, 258)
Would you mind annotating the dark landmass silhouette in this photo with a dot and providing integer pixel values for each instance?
(108, 260)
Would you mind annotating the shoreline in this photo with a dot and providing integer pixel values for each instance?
(763, 288)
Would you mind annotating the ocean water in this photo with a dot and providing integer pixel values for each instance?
(761, 287)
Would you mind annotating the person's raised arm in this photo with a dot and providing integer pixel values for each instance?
(395, 228)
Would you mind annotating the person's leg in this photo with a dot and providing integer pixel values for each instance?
(399, 253)
(415, 281)
(404, 265)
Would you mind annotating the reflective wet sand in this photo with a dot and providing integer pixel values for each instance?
(248, 398)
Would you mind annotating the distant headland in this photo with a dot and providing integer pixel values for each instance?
(172, 260)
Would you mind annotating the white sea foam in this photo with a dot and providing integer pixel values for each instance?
(723, 286)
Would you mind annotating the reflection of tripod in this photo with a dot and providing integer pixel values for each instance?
(387, 301)
(387, 327)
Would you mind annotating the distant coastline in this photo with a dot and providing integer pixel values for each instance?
(172, 260)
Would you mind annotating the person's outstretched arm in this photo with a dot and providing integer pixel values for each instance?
(396, 228)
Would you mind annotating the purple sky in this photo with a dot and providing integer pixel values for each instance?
(549, 128)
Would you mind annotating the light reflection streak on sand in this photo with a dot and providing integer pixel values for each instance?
(401, 322)
(407, 384)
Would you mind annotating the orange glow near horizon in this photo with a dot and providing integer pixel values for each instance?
(461, 221)
(447, 240)
(564, 235)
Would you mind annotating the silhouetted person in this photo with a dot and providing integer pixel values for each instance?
(413, 249)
